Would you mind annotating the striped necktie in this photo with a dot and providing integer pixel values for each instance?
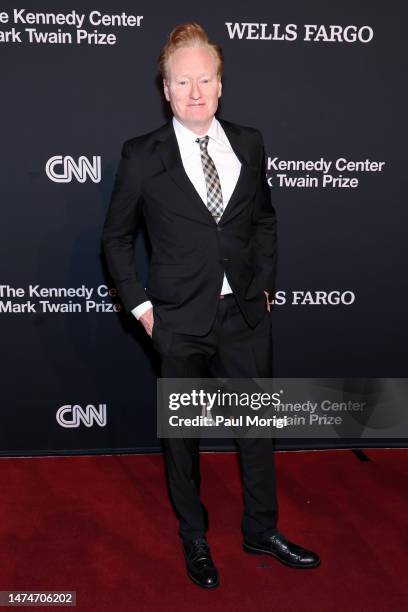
(212, 181)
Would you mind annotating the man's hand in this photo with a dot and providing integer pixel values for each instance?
(268, 303)
(147, 320)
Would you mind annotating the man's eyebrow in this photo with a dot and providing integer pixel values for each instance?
(179, 76)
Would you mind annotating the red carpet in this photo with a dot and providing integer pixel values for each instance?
(103, 526)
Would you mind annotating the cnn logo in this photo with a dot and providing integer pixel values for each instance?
(62, 169)
(73, 415)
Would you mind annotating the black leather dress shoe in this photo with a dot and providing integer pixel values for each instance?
(286, 552)
(200, 567)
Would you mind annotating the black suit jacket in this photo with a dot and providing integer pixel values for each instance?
(190, 251)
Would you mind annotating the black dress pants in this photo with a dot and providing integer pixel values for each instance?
(232, 350)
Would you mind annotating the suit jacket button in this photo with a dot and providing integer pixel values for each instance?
(219, 229)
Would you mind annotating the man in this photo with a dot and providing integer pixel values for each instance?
(200, 184)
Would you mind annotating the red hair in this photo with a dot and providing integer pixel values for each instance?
(189, 35)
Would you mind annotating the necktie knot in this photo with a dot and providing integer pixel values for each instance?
(203, 142)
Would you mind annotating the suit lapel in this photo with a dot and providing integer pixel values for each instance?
(237, 139)
(168, 150)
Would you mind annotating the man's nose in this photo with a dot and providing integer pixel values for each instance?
(195, 91)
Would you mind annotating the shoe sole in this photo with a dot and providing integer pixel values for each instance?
(203, 586)
(260, 551)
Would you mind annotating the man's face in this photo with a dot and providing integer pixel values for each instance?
(192, 87)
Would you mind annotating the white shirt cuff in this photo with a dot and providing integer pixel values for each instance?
(138, 311)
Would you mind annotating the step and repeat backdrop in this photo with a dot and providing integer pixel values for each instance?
(324, 82)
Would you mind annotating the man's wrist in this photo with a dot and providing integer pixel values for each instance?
(139, 310)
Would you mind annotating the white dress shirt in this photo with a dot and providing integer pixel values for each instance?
(228, 168)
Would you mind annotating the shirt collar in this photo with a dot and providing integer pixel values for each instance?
(186, 138)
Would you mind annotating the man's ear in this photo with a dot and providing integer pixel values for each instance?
(166, 90)
(219, 88)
